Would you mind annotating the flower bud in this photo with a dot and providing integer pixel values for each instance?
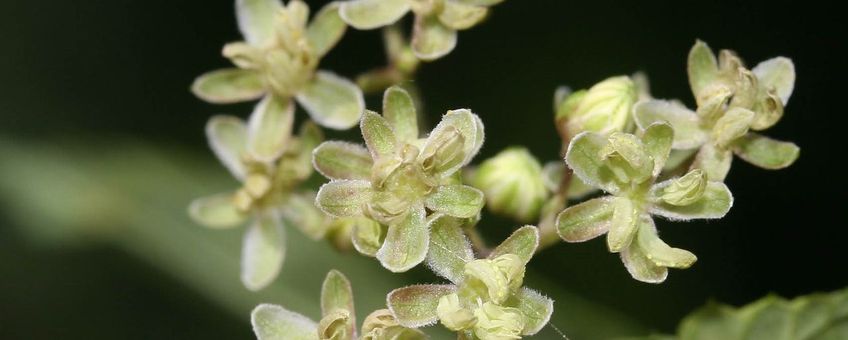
(604, 108)
(453, 315)
(495, 279)
(687, 189)
(513, 184)
(498, 323)
(335, 325)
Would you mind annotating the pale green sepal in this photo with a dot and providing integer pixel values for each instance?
(269, 128)
(449, 248)
(495, 322)
(227, 136)
(382, 325)
(456, 200)
(342, 160)
(336, 294)
(379, 136)
(460, 16)
(300, 212)
(536, 308)
(522, 243)
(765, 152)
(453, 315)
(777, 73)
(399, 111)
(584, 158)
(622, 226)
(263, 251)
(406, 242)
(216, 211)
(714, 203)
(452, 143)
(586, 220)
(367, 235)
(702, 68)
(230, 85)
(332, 101)
(337, 324)
(415, 306)
(637, 262)
(370, 14)
(682, 191)
(344, 198)
(658, 139)
(687, 131)
(431, 39)
(256, 19)
(326, 29)
(714, 161)
(272, 322)
(732, 125)
(660, 253)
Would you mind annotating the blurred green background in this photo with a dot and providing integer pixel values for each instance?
(102, 147)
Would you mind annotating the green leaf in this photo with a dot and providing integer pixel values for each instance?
(536, 308)
(370, 14)
(342, 160)
(256, 19)
(406, 243)
(778, 74)
(332, 101)
(765, 152)
(584, 158)
(378, 135)
(263, 251)
(522, 243)
(227, 136)
(399, 111)
(456, 200)
(586, 220)
(344, 198)
(229, 85)
(686, 124)
(657, 251)
(272, 322)
(714, 203)
(336, 294)
(300, 212)
(431, 39)
(702, 68)
(415, 306)
(732, 125)
(714, 161)
(449, 248)
(326, 29)
(269, 128)
(622, 225)
(813, 316)
(216, 211)
(658, 138)
(459, 16)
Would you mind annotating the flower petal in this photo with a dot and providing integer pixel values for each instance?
(714, 161)
(332, 101)
(229, 85)
(415, 306)
(536, 308)
(702, 68)
(456, 200)
(765, 152)
(326, 29)
(714, 203)
(370, 14)
(399, 111)
(344, 198)
(336, 293)
(622, 226)
(378, 135)
(522, 243)
(449, 248)
(658, 139)
(687, 131)
(216, 211)
(262, 252)
(460, 16)
(269, 128)
(272, 322)
(300, 212)
(431, 39)
(227, 136)
(583, 157)
(406, 243)
(660, 253)
(256, 19)
(342, 160)
(586, 220)
(778, 74)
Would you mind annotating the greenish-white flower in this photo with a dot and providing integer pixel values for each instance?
(400, 179)
(626, 167)
(513, 183)
(436, 21)
(485, 299)
(279, 58)
(338, 319)
(732, 100)
(603, 108)
(270, 164)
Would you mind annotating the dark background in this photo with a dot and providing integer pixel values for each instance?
(76, 69)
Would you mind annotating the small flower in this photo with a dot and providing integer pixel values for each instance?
(513, 183)
(626, 167)
(486, 299)
(400, 179)
(271, 164)
(279, 58)
(731, 101)
(436, 21)
(603, 108)
(338, 320)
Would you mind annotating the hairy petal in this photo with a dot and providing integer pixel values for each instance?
(522, 243)
(272, 322)
(344, 198)
(342, 160)
(269, 128)
(406, 243)
(586, 220)
(229, 85)
(715, 202)
(687, 131)
(765, 152)
(326, 29)
(431, 39)
(227, 136)
(370, 14)
(449, 248)
(263, 251)
(456, 200)
(415, 306)
(332, 101)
